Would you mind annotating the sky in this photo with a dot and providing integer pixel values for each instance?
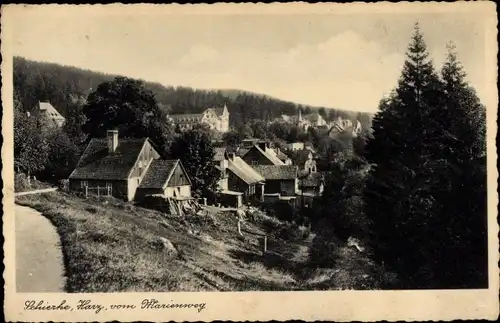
(332, 58)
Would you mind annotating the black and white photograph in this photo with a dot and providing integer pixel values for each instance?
(254, 151)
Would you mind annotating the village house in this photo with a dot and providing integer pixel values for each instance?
(239, 182)
(125, 166)
(262, 154)
(310, 120)
(216, 118)
(50, 114)
(166, 178)
(245, 179)
(311, 186)
(282, 179)
(293, 146)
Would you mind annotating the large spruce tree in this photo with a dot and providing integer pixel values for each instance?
(425, 196)
(398, 196)
(462, 254)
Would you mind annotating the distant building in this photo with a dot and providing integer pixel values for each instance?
(47, 111)
(295, 146)
(216, 118)
(356, 131)
(310, 120)
(262, 154)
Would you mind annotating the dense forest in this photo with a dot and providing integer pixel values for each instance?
(63, 86)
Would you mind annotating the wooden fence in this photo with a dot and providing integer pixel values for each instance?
(97, 191)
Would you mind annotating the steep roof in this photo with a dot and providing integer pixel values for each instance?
(282, 156)
(158, 173)
(219, 111)
(244, 171)
(97, 163)
(277, 172)
(270, 155)
(50, 111)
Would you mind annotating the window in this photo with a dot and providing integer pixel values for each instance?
(84, 184)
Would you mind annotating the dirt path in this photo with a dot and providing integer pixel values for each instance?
(39, 260)
(44, 190)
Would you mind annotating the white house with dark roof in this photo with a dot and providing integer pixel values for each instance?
(216, 118)
(120, 164)
(130, 169)
(47, 111)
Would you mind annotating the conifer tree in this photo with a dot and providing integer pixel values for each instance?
(398, 195)
(461, 257)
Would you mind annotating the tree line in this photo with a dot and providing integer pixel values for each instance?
(64, 86)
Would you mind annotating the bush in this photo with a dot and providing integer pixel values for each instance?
(322, 252)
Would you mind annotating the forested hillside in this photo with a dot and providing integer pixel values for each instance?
(66, 85)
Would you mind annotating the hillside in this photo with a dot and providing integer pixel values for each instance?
(112, 246)
(64, 86)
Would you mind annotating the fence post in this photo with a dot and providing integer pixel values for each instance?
(86, 191)
(239, 227)
(97, 191)
(265, 244)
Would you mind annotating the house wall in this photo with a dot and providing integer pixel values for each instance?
(223, 183)
(237, 185)
(254, 154)
(178, 177)
(182, 190)
(119, 188)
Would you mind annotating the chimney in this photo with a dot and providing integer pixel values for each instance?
(231, 156)
(112, 140)
(262, 145)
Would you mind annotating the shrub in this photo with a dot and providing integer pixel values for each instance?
(322, 252)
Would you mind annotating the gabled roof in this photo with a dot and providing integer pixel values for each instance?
(97, 163)
(50, 111)
(159, 173)
(270, 155)
(282, 156)
(275, 172)
(244, 171)
(220, 111)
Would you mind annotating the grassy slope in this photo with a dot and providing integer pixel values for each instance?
(107, 248)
